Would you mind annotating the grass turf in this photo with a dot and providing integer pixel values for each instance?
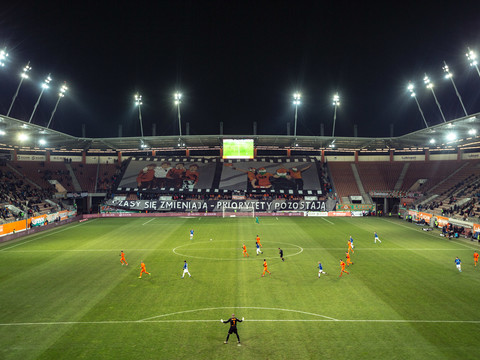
(64, 294)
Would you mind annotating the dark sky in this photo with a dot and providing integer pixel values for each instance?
(239, 62)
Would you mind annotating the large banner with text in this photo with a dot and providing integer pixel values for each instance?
(219, 205)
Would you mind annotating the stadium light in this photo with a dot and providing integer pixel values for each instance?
(449, 75)
(3, 57)
(22, 137)
(336, 103)
(412, 94)
(23, 76)
(429, 85)
(296, 101)
(61, 94)
(178, 100)
(432, 141)
(451, 136)
(42, 142)
(139, 103)
(44, 86)
(472, 132)
(472, 57)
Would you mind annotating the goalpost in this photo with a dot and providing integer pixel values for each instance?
(234, 211)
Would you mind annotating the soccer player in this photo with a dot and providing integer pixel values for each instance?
(349, 262)
(191, 234)
(258, 241)
(320, 269)
(256, 220)
(143, 269)
(265, 267)
(185, 269)
(376, 238)
(122, 258)
(280, 251)
(350, 245)
(259, 251)
(342, 266)
(458, 263)
(475, 258)
(233, 327)
(245, 251)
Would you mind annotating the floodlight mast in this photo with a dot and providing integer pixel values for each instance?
(472, 57)
(23, 76)
(296, 101)
(138, 102)
(412, 94)
(336, 103)
(61, 94)
(450, 76)
(44, 86)
(429, 85)
(178, 100)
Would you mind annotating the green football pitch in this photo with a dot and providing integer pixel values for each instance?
(65, 295)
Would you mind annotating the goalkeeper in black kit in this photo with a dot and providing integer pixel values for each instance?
(233, 327)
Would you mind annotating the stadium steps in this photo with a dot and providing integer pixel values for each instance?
(366, 197)
(399, 183)
(448, 177)
(76, 184)
(23, 176)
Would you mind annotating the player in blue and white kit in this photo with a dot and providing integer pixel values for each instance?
(185, 269)
(320, 269)
(351, 242)
(376, 238)
(191, 234)
(258, 249)
(458, 263)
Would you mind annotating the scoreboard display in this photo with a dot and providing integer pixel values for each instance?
(238, 149)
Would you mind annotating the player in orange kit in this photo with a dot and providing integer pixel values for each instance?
(265, 267)
(143, 270)
(122, 258)
(349, 262)
(245, 251)
(342, 266)
(258, 241)
(475, 258)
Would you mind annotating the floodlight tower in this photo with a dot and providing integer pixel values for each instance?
(23, 76)
(336, 103)
(449, 75)
(296, 101)
(139, 103)
(472, 57)
(44, 86)
(3, 57)
(429, 85)
(61, 94)
(412, 94)
(178, 100)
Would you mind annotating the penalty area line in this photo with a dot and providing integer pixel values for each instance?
(385, 321)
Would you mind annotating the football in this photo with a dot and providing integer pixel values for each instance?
(210, 239)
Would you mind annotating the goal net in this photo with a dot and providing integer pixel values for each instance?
(233, 211)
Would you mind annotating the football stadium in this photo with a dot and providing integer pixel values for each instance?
(247, 246)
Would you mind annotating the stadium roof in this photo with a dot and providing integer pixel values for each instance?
(454, 134)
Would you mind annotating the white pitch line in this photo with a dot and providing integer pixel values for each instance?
(41, 237)
(238, 307)
(148, 221)
(405, 321)
(328, 221)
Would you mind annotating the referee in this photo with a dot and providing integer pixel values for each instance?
(233, 327)
(280, 251)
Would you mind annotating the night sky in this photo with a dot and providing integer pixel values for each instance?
(239, 62)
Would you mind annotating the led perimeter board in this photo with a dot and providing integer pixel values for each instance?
(238, 149)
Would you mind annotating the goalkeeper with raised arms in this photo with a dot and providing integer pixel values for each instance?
(233, 327)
